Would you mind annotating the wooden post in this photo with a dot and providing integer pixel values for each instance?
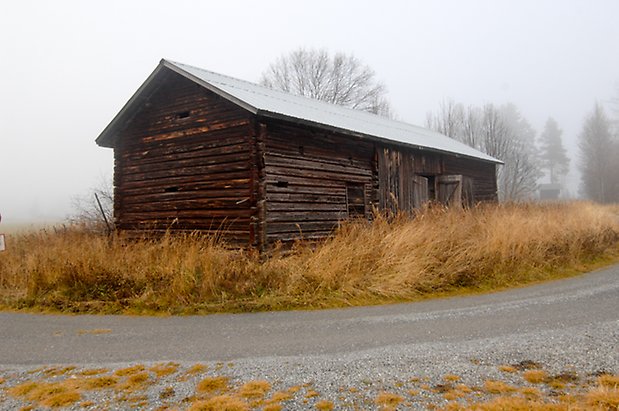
(261, 212)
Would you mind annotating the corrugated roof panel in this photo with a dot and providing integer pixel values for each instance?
(263, 100)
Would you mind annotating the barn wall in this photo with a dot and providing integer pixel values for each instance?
(482, 176)
(184, 163)
(314, 180)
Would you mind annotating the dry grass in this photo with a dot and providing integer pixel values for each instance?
(94, 371)
(134, 369)
(535, 376)
(609, 380)
(255, 389)
(498, 387)
(388, 400)
(213, 384)
(508, 368)
(164, 369)
(100, 383)
(324, 405)
(220, 403)
(47, 394)
(438, 251)
(196, 369)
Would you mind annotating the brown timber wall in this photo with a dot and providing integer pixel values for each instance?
(481, 173)
(314, 180)
(184, 163)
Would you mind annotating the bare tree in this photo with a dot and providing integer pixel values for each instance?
(552, 153)
(500, 132)
(339, 79)
(598, 162)
(96, 208)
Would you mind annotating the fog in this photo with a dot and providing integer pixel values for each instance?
(67, 67)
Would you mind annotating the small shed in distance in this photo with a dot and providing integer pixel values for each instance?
(196, 150)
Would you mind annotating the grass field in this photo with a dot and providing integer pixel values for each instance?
(436, 252)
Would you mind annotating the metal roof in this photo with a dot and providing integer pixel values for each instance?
(266, 102)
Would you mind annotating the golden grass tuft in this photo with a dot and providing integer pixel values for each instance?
(451, 378)
(54, 394)
(196, 369)
(220, 403)
(129, 370)
(498, 387)
(99, 383)
(609, 380)
(93, 371)
(164, 369)
(255, 389)
(279, 396)
(508, 369)
(392, 259)
(136, 382)
(535, 376)
(312, 394)
(324, 405)
(604, 397)
(514, 404)
(213, 384)
(388, 400)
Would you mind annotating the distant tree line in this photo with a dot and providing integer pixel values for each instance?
(599, 156)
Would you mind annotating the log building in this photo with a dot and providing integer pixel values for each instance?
(196, 150)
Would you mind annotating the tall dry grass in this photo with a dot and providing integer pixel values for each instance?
(437, 250)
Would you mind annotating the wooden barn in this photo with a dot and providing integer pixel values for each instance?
(196, 150)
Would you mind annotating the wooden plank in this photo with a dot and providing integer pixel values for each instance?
(241, 154)
(276, 206)
(296, 216)
(261, 187)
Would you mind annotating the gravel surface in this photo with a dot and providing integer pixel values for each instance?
(587, 345)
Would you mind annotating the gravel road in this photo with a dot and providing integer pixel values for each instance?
(567, 325)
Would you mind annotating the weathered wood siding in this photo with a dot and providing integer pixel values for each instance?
(314, 180)
(184, 163)
(407, 178)
(482, 176)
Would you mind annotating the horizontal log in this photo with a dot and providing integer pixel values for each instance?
(298, 216)
(190, 187)
(211, 180)
(240, 154)
(305, 198)
(293, 236)
(132, 198)
(185, 132)
(324, 175)
(210, 213)
(301, 227)
(148, 156)
(199, 204)
(310, 165)
(198, 172)
(338, 190)
(276, 206)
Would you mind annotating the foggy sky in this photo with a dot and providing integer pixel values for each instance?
(67, 67)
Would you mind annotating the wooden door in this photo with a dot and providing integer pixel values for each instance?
(449, 190)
